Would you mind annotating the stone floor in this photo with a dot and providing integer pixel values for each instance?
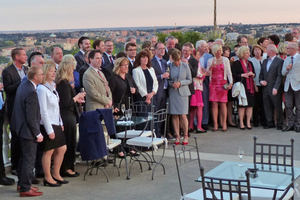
(214, 147)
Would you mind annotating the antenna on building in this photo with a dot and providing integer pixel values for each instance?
(175, 27)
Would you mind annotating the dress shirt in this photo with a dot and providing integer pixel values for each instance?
(201, 60)
(131, 61)
(108, 56)
(270, 60)
(81, 51)
(21, 72)
(49, 106)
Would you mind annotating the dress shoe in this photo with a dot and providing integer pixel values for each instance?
(32, 188)
(34, 180)
(249, 127)
(61, 182)
(67, 174)
(186, 142)
(205, 127)
(7, 181)
(191, 130)
(135, 154)
(30, 193)
(51, 184)
(242, 128)
(200, 131)
(232, 125)
(288, 128)
(279, 127)
(297, 129)
(269, 126)
(14, 172)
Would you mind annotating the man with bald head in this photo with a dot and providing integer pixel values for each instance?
(37, 60)
(291, 69)
(270, 79)
(57, 55)
(296, 33)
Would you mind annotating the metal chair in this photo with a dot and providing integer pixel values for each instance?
(274, 157)
(138, 143)
(187, 154)
(229, 189)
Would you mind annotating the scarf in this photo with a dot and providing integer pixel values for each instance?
(249, 80)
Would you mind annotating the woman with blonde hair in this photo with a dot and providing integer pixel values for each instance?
(219, 86)
(75, 82)
(69, 111)
(54, 143)
(244, 72)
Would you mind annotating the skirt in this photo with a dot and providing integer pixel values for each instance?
(58, 141)
(196, 99)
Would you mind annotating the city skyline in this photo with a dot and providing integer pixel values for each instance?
(70, 14)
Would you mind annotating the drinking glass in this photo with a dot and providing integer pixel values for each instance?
(82, 91)
(123, 109)
(126, 115)
(241, 154)
(129, 114)
(150, 115)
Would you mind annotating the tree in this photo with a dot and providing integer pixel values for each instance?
(192, 37)
(3, 59)
(161, 36)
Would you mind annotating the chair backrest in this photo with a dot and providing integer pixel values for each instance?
(273, 154)
(140, 107)
(220, 188)
(183, 155)
(160, 116)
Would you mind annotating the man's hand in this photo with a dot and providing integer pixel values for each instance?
(165, 75)
(52, 136)
(289, 66)
(263, 83)
(110, 103)
(274, 92)
(40, 138)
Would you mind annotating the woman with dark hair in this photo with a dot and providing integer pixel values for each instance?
(69, 111)
(258, 109)
(244, 72)
(145, 78)
(180, 78)
(274, 39)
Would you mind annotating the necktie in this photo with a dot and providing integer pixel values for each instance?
(111, 60)
(105, 83)
(163, 70)
(292, 60)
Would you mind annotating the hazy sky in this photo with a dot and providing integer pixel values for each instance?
(68, 14)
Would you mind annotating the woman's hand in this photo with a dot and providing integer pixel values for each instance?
(176, 84)
(229, 86)
(52, 136)
(132, 90)
(148, 101)
(245, 75)
(62, 128)
(79, 97)
(149, 95)
(251, 74)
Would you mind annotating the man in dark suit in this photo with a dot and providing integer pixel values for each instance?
(160, 67)
(271, 80)
(84, 44)
(170, 43)
(3, 179)
(12, 76)
(25, 122)
(130, 50)
(108, 69)
(85, 66)
(107, 56)
(99, 45)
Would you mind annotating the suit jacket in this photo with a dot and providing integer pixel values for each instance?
(26, 114)
(292, 75)
(159, 72)
(82, 69)
(140, 80)
(273, 76)
(185, 79)
(107, 70)
(105, 59)
(79, 59)
(193, 64)
(130, 68)
(166, 57)
(95, 90)
(11, 81)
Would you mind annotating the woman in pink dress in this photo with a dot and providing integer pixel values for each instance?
(218, 86)
(196, 103)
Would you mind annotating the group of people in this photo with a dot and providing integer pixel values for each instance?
(202, 82)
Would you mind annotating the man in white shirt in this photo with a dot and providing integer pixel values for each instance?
(291, 69)
(57, 55)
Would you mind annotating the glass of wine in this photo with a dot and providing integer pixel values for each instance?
(123, 109)
(129, 114)
(82, 91)
(241, 154)
(126, 115)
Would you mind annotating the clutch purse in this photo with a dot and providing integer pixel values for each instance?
(225, 86)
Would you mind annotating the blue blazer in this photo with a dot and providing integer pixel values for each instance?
(92, 143)
(159, 72)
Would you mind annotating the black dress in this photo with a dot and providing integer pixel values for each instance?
(237, 70)
(68, 111)
(120, 90)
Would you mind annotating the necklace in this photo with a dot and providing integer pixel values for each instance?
(219, 58)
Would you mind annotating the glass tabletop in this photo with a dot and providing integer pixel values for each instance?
(134, 121)
(265, 179)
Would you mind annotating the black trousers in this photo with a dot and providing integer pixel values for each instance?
(259, 116)
(2, 168)
(15, 149)
(26, 164)
(271, 102)
(292, 99)
(160, 103)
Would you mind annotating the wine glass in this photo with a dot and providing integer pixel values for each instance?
(129, 114)
(241, 154)
(126, 115)
(123, 109)
(82, 91)
(168, 70)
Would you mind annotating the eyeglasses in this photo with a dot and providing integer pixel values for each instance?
(131, 50)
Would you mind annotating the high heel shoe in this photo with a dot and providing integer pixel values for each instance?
(187, 139)
(61, 182)
(177, 140)
(51, 184)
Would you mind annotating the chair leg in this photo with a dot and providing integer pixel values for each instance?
(159, 162)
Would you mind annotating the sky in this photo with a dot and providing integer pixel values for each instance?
(74, 14)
